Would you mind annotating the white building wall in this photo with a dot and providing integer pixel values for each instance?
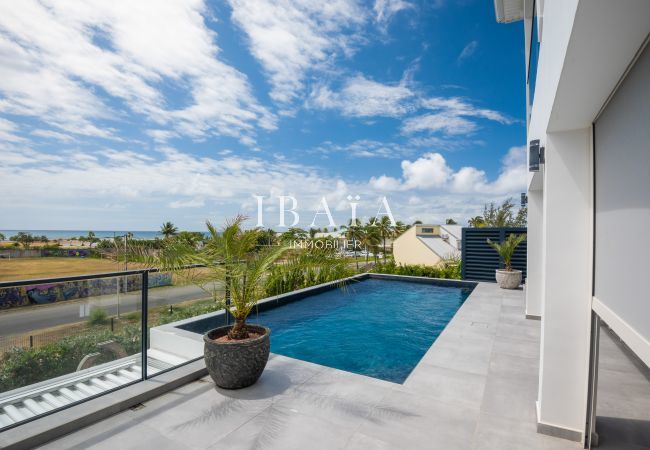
(566, 311)
(585, 49)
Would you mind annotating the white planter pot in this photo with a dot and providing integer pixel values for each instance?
(508, 279)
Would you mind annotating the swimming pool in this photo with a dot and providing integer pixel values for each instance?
(376, 327)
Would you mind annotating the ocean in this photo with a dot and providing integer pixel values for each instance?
(69, 234)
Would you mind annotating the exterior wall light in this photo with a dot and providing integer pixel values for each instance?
(535, 156)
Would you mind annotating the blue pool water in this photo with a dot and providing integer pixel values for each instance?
(377, 328)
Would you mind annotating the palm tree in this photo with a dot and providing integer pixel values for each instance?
(229, 258)
(368, 237)
(507, 248)
(385, 229)
(476, 222)
(352, 234)
(400, 227)
(2, 237)
(168, 230)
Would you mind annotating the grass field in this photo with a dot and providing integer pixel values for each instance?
(27, 268)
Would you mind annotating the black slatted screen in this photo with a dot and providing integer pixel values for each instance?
(480, 260)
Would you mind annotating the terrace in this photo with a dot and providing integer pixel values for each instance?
(474, 388)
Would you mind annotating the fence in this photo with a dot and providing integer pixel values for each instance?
(480, 260)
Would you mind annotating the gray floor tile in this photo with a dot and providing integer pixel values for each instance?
(499, 433)
(429, 425)
(349, 386)
(286, 429)
(516, 347)
(118, 434)
(518, 332)
(512, 398)
(506, 366)
(447, 385)
(360, 441)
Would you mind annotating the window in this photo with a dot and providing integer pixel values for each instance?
(427, 230)
(533, 56)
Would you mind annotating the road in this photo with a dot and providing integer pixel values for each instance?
(31, 318)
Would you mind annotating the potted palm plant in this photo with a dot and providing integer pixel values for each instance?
(236, 354)
(508, 278)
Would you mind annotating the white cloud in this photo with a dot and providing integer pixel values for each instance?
(468, 51)
(61, 58)
(292, 37)
(431, 173)
(50, 134)
(361, 97)
(169, 180)
(191, 203)
(468, 179)
(451, 116)
(385, 183)
(161, 136)
(513, 174)
(364, 148)
(458, 107)
(8, 131)
(386, 9)
(440, 122)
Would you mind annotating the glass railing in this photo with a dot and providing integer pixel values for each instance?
(68, 340)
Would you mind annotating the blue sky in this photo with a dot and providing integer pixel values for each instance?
(122, 115)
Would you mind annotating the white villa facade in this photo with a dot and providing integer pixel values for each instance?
(588, 92)
(427, 244)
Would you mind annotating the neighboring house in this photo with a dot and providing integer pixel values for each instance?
(587, 66)
(330, 235)
(427, 244)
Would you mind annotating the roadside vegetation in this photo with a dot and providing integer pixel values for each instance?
(448, 268)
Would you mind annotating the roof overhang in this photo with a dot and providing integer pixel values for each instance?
(509, 10)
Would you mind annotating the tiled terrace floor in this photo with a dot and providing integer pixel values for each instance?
(475, 388)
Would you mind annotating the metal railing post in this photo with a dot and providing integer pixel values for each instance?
(144, 337)
(227, 294)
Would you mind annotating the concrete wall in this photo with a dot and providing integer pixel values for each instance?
(566, 269)
(408, 249)
(622, 146)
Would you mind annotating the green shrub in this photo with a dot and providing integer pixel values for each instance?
(21, 367)
(449, 268)
(306, 270)
(98, 316)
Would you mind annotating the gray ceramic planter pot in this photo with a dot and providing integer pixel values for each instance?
(236, 364)
(508, 279)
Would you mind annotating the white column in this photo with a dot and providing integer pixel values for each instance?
(534, 254)
(567, 284)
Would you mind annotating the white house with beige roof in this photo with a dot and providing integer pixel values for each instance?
(427, 244)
